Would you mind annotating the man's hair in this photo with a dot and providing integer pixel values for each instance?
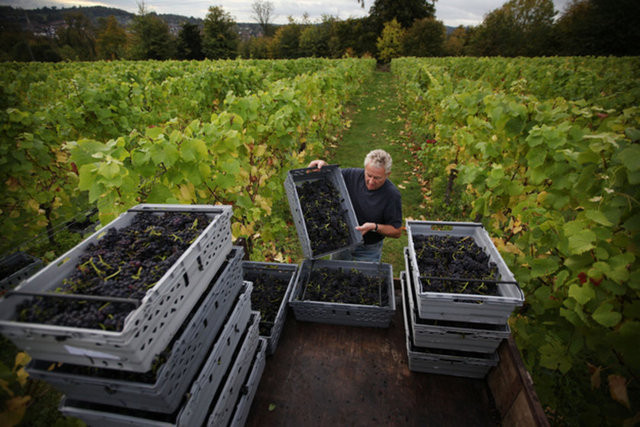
(379, 159)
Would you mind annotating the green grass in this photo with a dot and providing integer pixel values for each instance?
(377, 121)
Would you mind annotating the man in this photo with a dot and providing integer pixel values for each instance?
(377, 204)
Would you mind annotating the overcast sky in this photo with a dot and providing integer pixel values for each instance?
(451, 12)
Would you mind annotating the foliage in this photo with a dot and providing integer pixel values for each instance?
(220, 39)
(77, 38)
(151, 38)
(555, 182)
(256, 48)
(390, 42)
(424, 38)
(286, 41)
(111, 39)
(190, 42)
(456, 42)
(316, 40)
(596, 27)
(405, 12)
(518, 28)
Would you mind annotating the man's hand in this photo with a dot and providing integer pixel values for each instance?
(366, 227)
(317, 164)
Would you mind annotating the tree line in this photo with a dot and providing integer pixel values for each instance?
(393, 28)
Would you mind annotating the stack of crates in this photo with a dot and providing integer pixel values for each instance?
(455, 334)
(325, 312)
(188, 354)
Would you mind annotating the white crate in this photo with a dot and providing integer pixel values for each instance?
(243, 405)
(438, 361)
(148, 328)
(494, 309)
(205, 391)
(227, 305)
(449, 334)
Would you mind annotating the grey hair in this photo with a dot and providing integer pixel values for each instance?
(379, 159)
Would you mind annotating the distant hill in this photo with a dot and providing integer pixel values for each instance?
(46, 20)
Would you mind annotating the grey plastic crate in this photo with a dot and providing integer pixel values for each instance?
(447, 334)
(31, 265)
(494, 309)
(280, 271)
(439, 361)
(340, 313)
(193, 410)
(250, 386)
(215, 321)
(148, 328)
(297, 177)
(226, 398)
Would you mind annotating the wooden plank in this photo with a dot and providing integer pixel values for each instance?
(513, 391)
(324, 375)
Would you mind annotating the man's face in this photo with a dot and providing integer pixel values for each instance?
(374, 177)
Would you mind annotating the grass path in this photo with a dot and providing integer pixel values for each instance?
(377, 121)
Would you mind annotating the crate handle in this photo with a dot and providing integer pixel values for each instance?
(81, 297)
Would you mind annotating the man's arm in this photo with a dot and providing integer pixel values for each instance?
(386, 230)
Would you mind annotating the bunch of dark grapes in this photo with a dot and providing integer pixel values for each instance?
(348, 286)
(454, 257)
(124, 263)
(267, 295)
(326, 220)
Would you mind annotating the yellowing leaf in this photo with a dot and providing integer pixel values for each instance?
(16, 408)
(402, 187)
(618, 389)
(187, 193)
(22, 376)
(33, 204)
(261, 149)
(12, 184)
(596, 378)
(450, 167)
(22, 359)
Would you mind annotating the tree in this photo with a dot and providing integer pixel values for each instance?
(263, 13)
(390, 42)
(455, 42)
(405, 12)
(596, 27)
(151, 37)
(358, 35)
(518, 28)
(315, 39)
(111, 39)
(425, 38)
(189, 42)
(76, 39)
(286, 41)
(220, 38)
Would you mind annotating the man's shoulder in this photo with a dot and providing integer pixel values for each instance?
(391, 189)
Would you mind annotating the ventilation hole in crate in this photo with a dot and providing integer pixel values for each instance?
(200, 267)
(211, 376)
(348, 313)
(333, 311)
(143, 346)
(216, 305)
(229, 341)
(205, 323)
(144, 328)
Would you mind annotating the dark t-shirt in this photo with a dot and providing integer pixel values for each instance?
(382, 206)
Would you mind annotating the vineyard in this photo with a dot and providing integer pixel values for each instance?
(545, 152)
(116, 134)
